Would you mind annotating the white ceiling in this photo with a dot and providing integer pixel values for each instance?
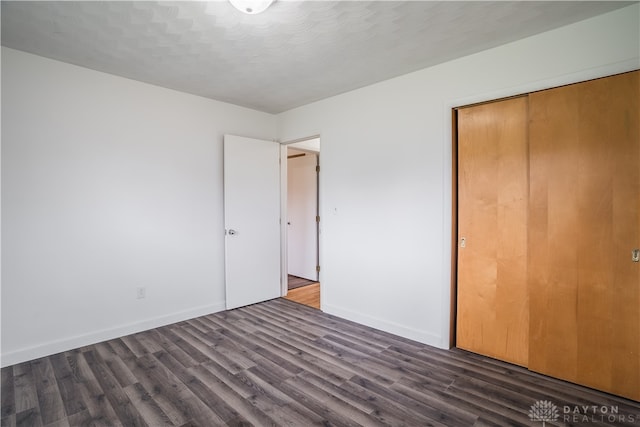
(294, 53)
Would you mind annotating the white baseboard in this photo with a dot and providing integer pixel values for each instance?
(386, 326)
(65, 344)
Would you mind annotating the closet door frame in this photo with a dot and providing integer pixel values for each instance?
(451, 105)
(453, 108)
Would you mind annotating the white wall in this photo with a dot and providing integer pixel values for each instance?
(385, 184)
(308, 145)
(108, 184)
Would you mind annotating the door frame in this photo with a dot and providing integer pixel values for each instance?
(453, 302)
(284, 245)
(449, 159)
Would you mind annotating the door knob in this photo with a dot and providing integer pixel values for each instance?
(232, 232)
(635, 255)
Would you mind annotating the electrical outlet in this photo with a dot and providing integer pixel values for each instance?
(141, 293)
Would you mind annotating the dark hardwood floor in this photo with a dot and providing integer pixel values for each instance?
(279, 363)
(295, 282)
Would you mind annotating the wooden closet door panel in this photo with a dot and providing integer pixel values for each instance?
(583, 223)
(626, 235)
(492, 311)
(552, 264)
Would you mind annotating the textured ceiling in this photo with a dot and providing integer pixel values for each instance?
(294, 53)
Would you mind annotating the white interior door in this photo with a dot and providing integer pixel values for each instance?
(302, 208)
(252, 220)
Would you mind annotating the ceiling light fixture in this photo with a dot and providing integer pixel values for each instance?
(251, 7)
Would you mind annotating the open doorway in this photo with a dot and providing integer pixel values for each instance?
(303, 222)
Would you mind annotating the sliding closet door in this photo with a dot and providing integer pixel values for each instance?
(584, 222)
(492, 310)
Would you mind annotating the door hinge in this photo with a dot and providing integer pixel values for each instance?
(317, 168)
(318, 268)
(317, 218)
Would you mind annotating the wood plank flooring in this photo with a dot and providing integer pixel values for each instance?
(279, 363)
(294, 282)
(307, 295)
